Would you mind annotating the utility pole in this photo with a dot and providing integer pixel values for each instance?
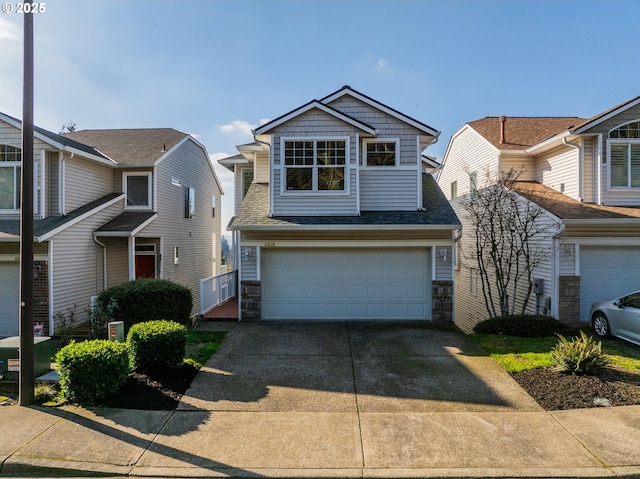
(27, 367)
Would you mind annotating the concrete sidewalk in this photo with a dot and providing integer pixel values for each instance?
(331, 400)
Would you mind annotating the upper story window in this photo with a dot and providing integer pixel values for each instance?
(624, 156)
(454, 190)
(10, 177)
(380, 153)
(137, 188)
(189, 202)
(315, 165)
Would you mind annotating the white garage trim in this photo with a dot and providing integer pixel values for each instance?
(9, 298)
(346, 284)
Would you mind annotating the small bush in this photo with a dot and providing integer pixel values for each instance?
(157, 343)
(526, 326)
(580, 355)
(146, 300)
(91, 370)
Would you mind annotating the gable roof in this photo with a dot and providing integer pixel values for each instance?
(600, 117)
(347, 90)
(60, 142)
(438, 213)
(310, 106)
(567, 208)
(522, 133)
(141, 146)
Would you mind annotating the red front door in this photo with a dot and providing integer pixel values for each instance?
(145, 266)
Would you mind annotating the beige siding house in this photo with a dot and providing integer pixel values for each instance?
(337, 219)
(111, 206)
(585, 175)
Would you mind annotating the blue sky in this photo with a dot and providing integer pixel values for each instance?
(218, 68)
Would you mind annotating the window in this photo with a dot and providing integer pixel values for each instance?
(10, 177)
(473, 185)
(137, 187)
(473, 281)
(454, 190)
(189, 202)
(247, 179)
(176, 255)
(213, 206)
(380, 153)
(315, 165)
(624, 156)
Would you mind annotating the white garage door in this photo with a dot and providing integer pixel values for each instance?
(605, 273)
(330, 284)
(9, 297)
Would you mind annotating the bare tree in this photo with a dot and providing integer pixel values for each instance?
(509, 234)
(68, 128)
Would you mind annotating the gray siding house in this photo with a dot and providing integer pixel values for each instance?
(585, 175)
(110, 206)
(338, 219)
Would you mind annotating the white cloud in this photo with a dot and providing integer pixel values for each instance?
(238, 128)
(9, 32)
(382, 64)
(264, 121)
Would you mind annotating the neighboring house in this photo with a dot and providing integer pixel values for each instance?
(110, 206)
(585, 174)
(337, 219)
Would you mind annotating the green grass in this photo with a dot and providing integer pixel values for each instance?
(517, 354)
(202, 344)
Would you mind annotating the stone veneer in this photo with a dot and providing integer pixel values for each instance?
(41, 295)
(442, 301)
(569, 307)
(250, 304)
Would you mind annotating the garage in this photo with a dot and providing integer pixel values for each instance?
(605, 273)
(9, 298)
(346, 284)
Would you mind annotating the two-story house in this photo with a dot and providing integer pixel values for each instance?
(110, 206)
(337, 219)
(585, 175)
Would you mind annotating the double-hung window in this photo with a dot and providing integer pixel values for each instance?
(10, 179)
(380, 153)
(137, 188)
(624, 156)
(315, 165)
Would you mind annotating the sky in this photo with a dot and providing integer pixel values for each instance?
(218, 68)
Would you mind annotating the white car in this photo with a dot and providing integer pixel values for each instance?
(618, 317)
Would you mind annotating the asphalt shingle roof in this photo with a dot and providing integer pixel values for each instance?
(255, 210)
(567, 208)
(126, 222)
(522, 132)
(11, 228)
(130, 146)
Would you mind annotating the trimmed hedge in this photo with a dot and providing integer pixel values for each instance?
(90, 370)
(147, 300)
(157, 343)
(526, 326)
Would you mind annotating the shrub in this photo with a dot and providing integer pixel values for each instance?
(147, 300)
(525, 325)
(580, 355)
(157, 343)
(91, 370)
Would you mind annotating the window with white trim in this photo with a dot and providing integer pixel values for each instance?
(137, 188)
(380, 153)
(10, 177)
(314, 165)
(624, 156)
(189, 202)
(454, 190)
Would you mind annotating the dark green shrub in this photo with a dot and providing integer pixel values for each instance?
(147, 300)
(91, 369)
(580, 355)
(157, 343)
(526, 326)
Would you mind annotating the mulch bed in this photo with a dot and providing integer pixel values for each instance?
(155, 389)
(554, 390)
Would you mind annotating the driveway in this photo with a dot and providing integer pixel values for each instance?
(352, 367)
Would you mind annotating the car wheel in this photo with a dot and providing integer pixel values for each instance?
(601, 325)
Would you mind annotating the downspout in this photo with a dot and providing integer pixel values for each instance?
(104, 261)
(580, 168)
(457, 235)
